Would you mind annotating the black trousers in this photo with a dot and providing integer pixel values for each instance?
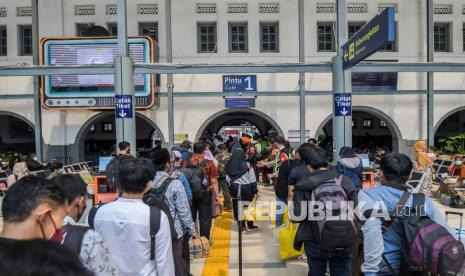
(203, 206)
(185, 250)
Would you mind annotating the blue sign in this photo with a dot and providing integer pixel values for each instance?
(373, 36)
(244, 83)
(123, 106)
(342, 104)
(239, 102)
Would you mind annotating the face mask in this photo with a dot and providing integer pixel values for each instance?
(458, 163)
(56, 235)
(79, 216)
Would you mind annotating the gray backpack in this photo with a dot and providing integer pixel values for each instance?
(340, 233)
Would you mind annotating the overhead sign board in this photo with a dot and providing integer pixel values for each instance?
(373, 36)
(123, 107)
(370, 81)
(240, 83)
(342, 104)
(239, 102)
(93, 91)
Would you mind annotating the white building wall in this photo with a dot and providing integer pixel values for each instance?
(57, 18)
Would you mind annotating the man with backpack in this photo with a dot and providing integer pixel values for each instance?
(404, 233)
(83, 241)
(171, 191)
(138, 235)
(112, 168)
(203, 177)
(324, 193)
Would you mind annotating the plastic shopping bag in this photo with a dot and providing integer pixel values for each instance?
(286, 242)
(251, 210)
(285, 217)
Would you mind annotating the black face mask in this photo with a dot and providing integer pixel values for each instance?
(79, 214)
(42, 226)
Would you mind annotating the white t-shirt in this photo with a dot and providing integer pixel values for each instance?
(125, 226)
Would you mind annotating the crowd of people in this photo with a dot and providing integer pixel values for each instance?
(162, 195)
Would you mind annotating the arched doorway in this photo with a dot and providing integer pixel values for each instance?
(17, 133)
(452, 124)
(235, 121)
(97, 137)
(370, 128)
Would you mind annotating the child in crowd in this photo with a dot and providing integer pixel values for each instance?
(430, 153)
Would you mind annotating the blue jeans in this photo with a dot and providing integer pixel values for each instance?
(318, 259)
(279, 216)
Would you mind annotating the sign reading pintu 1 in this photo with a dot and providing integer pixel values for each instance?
(373, 36)
(342, 104)
(123, 106)
(240, 83)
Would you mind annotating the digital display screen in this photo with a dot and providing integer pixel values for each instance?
(95, 51)
(365, 160)
(103, 162)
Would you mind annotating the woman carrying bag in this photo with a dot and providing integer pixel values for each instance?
(242, 184)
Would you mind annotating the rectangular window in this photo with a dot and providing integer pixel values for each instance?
(392, 47)
(92, 129)
(269, 37)
(326, 41)
(3, 41)
(354, 123)
(206, 38)
(382, 124)
(25, 40)
(238, 38)
(81, 28)
(149, 29)
(107, 127)
(354, 27)
(442, 37)
(367, 123)
(112, 29)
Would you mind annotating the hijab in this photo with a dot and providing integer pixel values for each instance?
(237, 166)
(236, 144)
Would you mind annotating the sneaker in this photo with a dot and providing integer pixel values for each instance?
(252, 229)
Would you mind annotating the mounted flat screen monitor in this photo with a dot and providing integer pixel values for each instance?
(365, 161)
(103, 162)
(93, 91)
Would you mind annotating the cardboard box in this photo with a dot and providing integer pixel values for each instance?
(199, 248)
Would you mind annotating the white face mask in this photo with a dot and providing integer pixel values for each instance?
(458, 163)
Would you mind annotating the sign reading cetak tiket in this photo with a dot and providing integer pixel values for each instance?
(373, 36)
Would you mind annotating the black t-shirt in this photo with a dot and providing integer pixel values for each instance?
(283, 178)
(298, 173)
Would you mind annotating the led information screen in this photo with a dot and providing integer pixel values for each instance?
(93, 91)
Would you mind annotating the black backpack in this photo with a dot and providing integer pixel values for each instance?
(339, 233)
(197, 179)
(427, 247)
(74, 234)
(112, 172)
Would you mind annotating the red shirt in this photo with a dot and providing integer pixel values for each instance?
(210, 169)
